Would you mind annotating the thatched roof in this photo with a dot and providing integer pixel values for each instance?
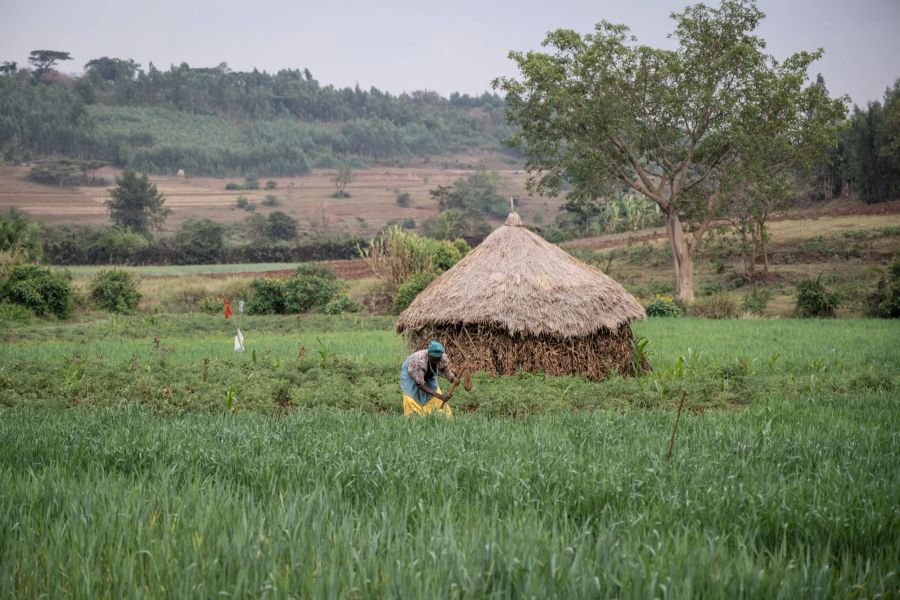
(517, 281)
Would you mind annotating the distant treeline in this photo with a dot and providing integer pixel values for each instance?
(218, 122)
(108, 246)
(866, 159)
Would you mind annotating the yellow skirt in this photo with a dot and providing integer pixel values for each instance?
(411, 407)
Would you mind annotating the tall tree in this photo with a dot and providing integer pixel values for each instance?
(137, 204)
(113, 69)
(678, 126)
(44, 60)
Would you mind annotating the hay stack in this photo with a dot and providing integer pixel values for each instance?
(519, 302)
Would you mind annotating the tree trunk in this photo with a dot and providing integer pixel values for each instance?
(681, 256)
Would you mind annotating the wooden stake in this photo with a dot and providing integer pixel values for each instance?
(675, 428)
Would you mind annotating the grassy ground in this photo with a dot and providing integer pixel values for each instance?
(127, 473)
(176, 363)
(850, 252)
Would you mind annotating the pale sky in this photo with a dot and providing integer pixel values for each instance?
(407, 45)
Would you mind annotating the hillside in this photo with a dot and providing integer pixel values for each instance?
(218, 122)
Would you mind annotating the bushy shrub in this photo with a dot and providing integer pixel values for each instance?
(717, 306)
(446, 254)
(408, 223)
(309, 287)
(266, 296)
(403, 199)
(305, 292)
(884, 302)
(38, 289)
(410, 288)
(663, 306)
(271, 184)
(340, 304)
(200, 241)
(270, 200)
(814, 299)
(245, 204)
(232, 186)
(115, 291)
(113, 244)
(757, 300)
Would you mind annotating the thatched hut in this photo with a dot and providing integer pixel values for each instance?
(519, 302)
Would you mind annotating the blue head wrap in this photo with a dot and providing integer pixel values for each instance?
(435, 349)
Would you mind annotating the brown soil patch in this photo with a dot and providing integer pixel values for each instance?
(371, 205)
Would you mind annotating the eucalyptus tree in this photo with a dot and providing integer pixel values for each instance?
(683, 127)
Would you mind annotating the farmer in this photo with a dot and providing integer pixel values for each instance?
(418, 380)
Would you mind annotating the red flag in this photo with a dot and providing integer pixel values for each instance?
(227, 307)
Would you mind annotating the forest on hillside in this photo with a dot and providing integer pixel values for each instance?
(213, 121)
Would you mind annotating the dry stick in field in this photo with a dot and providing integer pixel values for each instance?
(675, 428)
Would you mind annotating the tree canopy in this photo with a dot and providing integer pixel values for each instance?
(682, 127)
(136, 203)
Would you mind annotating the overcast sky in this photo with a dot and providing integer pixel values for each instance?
(407, 45)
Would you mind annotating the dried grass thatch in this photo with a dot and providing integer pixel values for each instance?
(489, 350)
(519, 302)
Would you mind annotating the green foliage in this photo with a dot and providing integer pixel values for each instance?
(43, 62)
(133, 443)
(884, 301)
(396, 255)
(271, 185)
(342, 303)
(311, 286)
(251, 183)
(640, 358)
(456, 223)
(409, 289)
(233, 186)
(216, 122)
(663, 306)
(408, 223)
(757, 300)
(281, 226)
(447, 253)
(244, 203)
(868, 155)
(600, 111)
(270, 200)
(113, 70)
(200, 241)
(38, 289)
(19, 235)
(135, 203)
(476, 194)
(814, 299)
(115, 290)
(403, 199)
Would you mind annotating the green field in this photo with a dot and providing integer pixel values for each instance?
(289, 472)
(173, 270)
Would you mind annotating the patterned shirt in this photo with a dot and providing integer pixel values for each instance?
(419, 366)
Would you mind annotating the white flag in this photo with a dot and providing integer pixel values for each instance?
(239, 341)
